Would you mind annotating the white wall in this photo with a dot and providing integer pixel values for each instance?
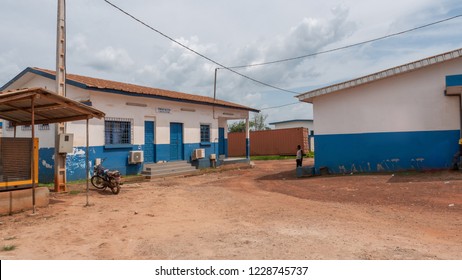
(410, 102)
(292, 124)
(115, 106)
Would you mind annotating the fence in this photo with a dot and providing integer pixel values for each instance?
(269, 142)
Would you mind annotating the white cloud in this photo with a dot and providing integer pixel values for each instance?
(103, 42)
(111, 59)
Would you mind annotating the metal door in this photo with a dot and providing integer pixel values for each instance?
(149, 151)
(176, 141)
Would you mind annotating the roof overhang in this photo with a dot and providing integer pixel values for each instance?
(16, 106)
(399, 70)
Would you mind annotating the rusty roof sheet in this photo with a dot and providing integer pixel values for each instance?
(16, 106)
(111, 86)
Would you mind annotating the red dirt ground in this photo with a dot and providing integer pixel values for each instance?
(263, 212)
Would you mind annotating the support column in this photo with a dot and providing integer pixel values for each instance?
(247, 138)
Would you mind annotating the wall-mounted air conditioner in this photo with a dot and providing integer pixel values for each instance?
(135, 157)
(198, 153)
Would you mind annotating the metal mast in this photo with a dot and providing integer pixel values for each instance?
(60, 159)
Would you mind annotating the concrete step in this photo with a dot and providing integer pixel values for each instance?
(167, 169)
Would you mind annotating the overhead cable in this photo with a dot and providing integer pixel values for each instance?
(347, 46)
(197, 53)
(279, 106)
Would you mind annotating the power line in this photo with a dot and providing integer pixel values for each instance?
(280, 106)
(347, 46)
(197, 53)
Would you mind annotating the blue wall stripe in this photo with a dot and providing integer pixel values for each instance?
(393, 151)
(454, 80)
(247, 148)
(114, 159)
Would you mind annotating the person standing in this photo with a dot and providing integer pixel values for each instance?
(299, 157)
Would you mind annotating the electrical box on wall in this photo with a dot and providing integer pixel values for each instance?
(66, 143)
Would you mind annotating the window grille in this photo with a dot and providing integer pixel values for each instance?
(9, 126)
(26, 127)
(118, 131)
(44, 126)
(205, 133)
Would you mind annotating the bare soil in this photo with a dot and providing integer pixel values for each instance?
(263, 212)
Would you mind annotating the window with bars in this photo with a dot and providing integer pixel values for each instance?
(44, 126)
(9, 125)
(118, 131)
(205, 133)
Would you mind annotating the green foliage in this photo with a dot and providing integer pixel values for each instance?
(9, 247)
(271, 157)
(237, 127)
(256, 123)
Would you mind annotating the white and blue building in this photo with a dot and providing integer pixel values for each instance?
(404, 118)
(165, 125)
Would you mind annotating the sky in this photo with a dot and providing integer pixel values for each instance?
(104, 43)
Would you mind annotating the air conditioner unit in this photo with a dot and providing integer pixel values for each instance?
(198, 153)
(135, 157)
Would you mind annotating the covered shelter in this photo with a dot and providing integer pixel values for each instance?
(31, 106)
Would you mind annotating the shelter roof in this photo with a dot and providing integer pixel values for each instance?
(16, 106)
(96, 84)
(398, 70)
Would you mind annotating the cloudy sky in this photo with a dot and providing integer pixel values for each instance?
(102, 42)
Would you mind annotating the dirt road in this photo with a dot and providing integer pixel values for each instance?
(259, 213)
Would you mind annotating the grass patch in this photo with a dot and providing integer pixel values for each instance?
(74, 192)
(308, 155)
(8, 248)
(271, 157)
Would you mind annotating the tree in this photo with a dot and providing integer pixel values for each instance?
(258, 122)
(237, 127)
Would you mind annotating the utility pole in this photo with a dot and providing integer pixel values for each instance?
(60, 128)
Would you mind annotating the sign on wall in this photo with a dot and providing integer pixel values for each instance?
(163, 110)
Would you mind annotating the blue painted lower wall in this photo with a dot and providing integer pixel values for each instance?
(75, 163)
(393, 151)
(115, 158)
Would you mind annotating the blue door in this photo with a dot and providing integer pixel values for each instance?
(176, 141)
(149, 151)
(221, 141)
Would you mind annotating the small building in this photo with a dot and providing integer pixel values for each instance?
(404, 118)
(162, 125)
(307, 123)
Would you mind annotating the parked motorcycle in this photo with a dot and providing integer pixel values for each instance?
(104, 178)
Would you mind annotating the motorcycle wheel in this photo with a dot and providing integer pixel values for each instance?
(98, 182)
(116, 189)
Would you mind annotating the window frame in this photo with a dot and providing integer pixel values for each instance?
(118, 132)
(205, 139)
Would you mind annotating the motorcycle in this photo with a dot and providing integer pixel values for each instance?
(104, 178)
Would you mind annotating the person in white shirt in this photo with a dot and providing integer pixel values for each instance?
(299, 157)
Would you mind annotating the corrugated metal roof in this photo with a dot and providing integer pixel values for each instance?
(15, 106)
(119, 87)
(405, 68)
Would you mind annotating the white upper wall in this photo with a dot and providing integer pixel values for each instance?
(413, 101)
(139, 109)
(296, 123)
